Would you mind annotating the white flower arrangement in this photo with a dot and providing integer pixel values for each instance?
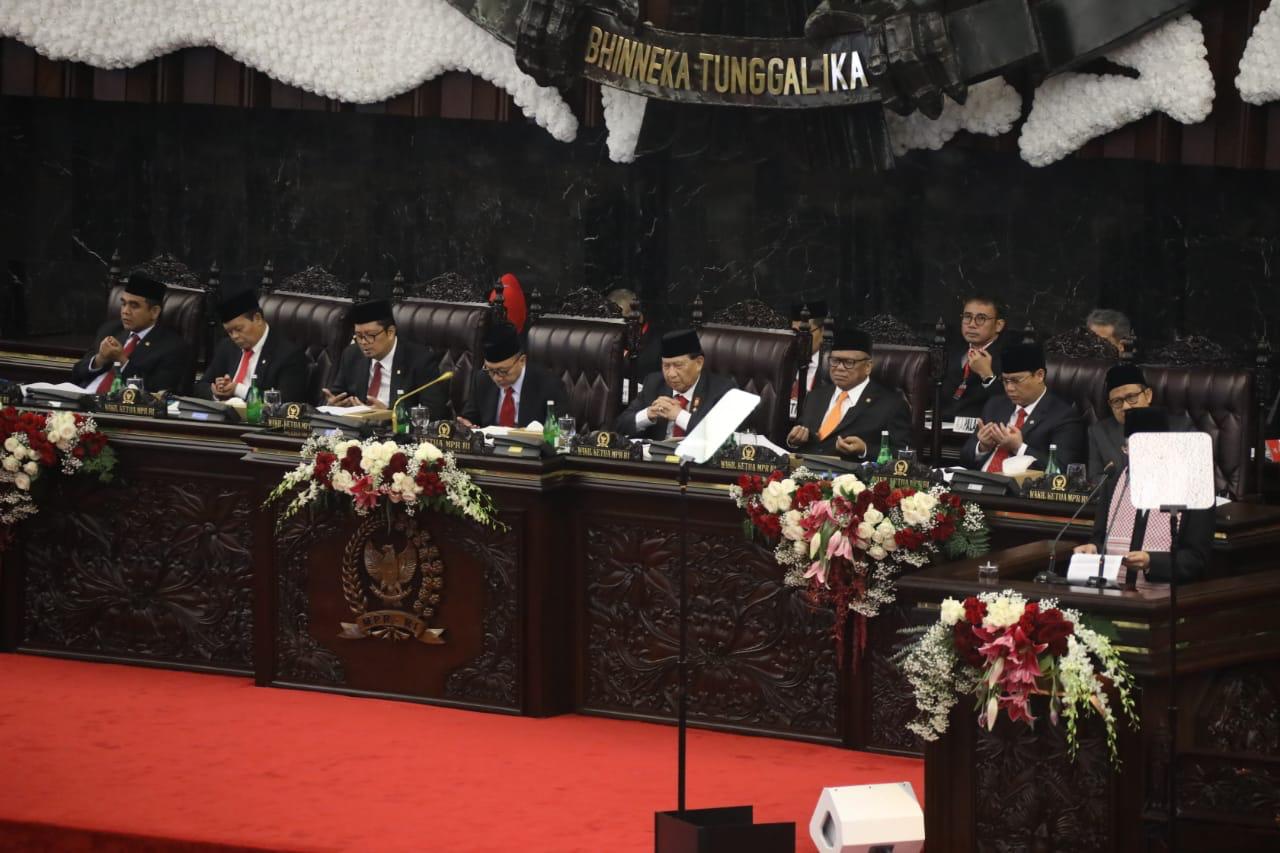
(991, 109)
(1259, 77)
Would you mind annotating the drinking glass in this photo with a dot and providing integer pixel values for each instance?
(907, 454)
(271, 401)
(420, 417)
(568, 430)
(988, 572)
(1075, 473)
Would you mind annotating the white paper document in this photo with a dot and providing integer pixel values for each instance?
(339, 410)
(1085, 566)
(68, 387)
(717, 425)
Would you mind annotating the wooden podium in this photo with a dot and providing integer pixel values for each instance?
(1014, 788)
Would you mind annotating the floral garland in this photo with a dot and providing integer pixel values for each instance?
(34, 443)
(846, 543)
(1003, 650)
(371, 472)
(1259, 77)
(991, 109)
(356, 52)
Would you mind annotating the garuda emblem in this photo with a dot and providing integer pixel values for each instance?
(398, 567)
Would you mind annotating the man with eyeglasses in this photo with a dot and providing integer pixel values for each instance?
(252, 349)
(845, 418)
(1026, 419)
(1127, 389)
(973, 369)
(378, 366)
(508, 391)
(674, 400)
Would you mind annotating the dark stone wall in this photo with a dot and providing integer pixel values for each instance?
(1181, 249)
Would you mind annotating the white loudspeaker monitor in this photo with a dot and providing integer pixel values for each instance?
(868, 819)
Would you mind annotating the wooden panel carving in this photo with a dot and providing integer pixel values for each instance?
(493, 677)
(159, 572)
(892, 702)
(298, 656)
(1240, 714)
(1030, 796)
(759, 656)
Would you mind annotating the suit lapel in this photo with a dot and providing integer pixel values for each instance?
(869, 395)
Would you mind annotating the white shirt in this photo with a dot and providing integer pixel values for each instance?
(1013, 419)
(643, 421)
(242, 388)
(384, 387)
(813, 371)
(855, 394)
(516, 388)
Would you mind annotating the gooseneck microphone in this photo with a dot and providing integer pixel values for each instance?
(1049, 575)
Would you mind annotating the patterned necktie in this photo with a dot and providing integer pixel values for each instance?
(997, 458)
(677, 431)
(242, 372)
(110, 376)
(507, 413)
(375, 384)
(1123, 515)
(834, 415)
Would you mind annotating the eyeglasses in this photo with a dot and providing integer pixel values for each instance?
(847, 363)
(1014, 381)
(976, 319)
(367, 337)
(501, 372)
(1130, 400)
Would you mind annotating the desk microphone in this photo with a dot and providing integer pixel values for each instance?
(1099, 581)
(395, 427)
(1049, 575)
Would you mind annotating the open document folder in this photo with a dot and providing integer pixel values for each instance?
(715, 428)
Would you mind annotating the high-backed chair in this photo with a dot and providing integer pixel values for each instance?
(586, 353)
(762, 361)
(454, 329)
(316, 323)
(1219, 400)
(906, 369)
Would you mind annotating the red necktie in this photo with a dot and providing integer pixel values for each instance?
(375, 384)
(677, 431)
(997, 458)
(243, 370)
(507, 413)
(110, 376)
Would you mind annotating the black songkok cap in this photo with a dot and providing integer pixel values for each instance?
(1125, 374)
(851, 339)
(501, 342)
(1150, 419)
(244, 302)
(373, 311)
(145, 286)
(817, 309)
(1020, 357)
(681, 342)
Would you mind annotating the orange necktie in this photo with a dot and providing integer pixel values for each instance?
(834, 415)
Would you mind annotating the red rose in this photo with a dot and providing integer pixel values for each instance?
(770, 525)
(777, 476)
(967, 643)
(1052, 629)
(974, 610)
(397, 464)
(806, 494)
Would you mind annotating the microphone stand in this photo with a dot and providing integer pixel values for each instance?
(1172, 780)
(1099, 581)
(682, 668)
(395, 404)
(1050, 575)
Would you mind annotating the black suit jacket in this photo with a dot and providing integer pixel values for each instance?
(975, 395)
(1195, 540)
(1106, 442)
(281, 366)
(879, 408)
(708, 390)
(538, 387)
(1054, 421)
(162, 360)
(413, 365)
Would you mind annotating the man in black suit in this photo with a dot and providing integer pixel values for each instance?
(508, 391)
(1127, 389)
(972, 376)
(846, 417)
(137, 345)
(817, 314)
(675, 399)
(379, 366)
(1026, 420)
(252, 353)
(1113, 525)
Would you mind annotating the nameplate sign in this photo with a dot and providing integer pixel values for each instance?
(1057, 488)
(901, 474)
(752, 459)
(452, 437)
(603, 444)
(291, 420)
(901, 482)
(10, 398)
(134, 402)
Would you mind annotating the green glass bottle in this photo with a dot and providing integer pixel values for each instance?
(885, 456)
(117, 384)
(253, 402)
(1052, 467)
(551, 426)
(402, 413)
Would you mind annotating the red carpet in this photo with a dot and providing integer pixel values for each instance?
(101, 757)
